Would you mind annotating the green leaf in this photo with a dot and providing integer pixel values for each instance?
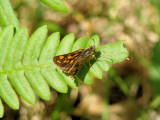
(50, 74)
(27, 64)
(0, 29)
(66, 44)
(5, 38)
(96, 71)
(7, 93)
(155, 56)
(154, 72)
(113, 52)
(55, 4)
(93, 41)
(154, 69)
(13, 61)
(31, 55)
(80, 44)
(1, 109)
(7, 16)
(103, 65)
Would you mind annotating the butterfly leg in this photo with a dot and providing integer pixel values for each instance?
(90, 64)
(72, 76)
(77, 77)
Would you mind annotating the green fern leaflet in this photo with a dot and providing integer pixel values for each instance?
(27, 64)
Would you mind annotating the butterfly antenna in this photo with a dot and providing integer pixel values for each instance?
(88, 35)
(90, 64)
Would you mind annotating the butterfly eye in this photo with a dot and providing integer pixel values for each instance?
(85, 53)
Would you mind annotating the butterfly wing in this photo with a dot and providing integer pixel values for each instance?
(66, 61)
(85, 56)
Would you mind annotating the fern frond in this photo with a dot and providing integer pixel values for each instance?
(27, 64)
(7, 16)
(55, 4)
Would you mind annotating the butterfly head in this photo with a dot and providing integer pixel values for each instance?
(88, 52)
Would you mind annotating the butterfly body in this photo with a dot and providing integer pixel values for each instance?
(71, 63)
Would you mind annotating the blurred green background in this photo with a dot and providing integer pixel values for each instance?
(131, 89)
